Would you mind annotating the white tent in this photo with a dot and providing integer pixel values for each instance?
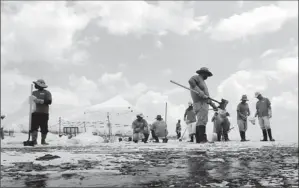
(116, 103)
(119, 110)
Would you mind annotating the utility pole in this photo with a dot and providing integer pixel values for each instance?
(109, 127)
(84, 121)
(59, 126)
(166, 113)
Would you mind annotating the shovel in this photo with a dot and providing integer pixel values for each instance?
(28, 142)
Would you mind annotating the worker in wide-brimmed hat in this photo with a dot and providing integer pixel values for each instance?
(140, 129)
(264, 113)
(42, 99)
(201, 102)
(190, 119)
(221, 121)
(242, 113)
(159, 128)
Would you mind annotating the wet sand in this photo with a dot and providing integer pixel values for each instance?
(215, 165)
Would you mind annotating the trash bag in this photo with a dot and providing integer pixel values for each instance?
(252, 120)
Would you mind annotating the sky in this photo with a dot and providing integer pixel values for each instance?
(90, 52)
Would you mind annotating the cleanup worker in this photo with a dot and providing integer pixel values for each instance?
(1, 129)
(40, 117)
(264, 113)
(139, 127)
(242, 113)
(159, 128)
(178, 129)
(201, 102)
(221, 121)
(190, 119)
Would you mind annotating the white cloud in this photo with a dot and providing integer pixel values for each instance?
(174, 91)
(270, 52)
(245, 63)
(153, 103)
(140, 17)
(287, 101)
(85, 89)
(107, 78)
(142, 56)
(283, 70)
(159, 44)
(39, 31)
(13, 86)
(260, 20)
(288, 65)
(167, 72)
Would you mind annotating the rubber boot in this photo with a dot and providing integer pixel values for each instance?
(43, 141)
(225, 135)
(204, 135)
(244, 133)
(191, 138)
(242, 136)
(270, 135)
(264, 135)
(34, 137)
(197, 134)
(218, 137)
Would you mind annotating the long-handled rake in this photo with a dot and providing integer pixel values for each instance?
(180, 139)
(28, 142)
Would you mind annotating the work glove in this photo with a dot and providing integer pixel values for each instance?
(214, 106)
(205, 97)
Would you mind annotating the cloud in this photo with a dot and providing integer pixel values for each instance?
(27, 37)
(270, 52)
(140, 17)
(13, 86)
(283, 71)
(288, 65)
(107, 78)
(287, 101)
(153, 103)
(261, 20)
(166, 72)
(245, 63)
(159, 44)
(142, 56)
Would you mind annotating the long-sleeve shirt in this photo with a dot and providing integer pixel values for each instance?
(190, 115)
(140, 126)
(160, 128)
(242, 109)
(198, 84)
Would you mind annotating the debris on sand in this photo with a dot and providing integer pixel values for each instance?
(47, 157)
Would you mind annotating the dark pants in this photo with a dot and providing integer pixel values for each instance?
(2, 133)
(40, 120)
(146, 135)
(200, 134)
(178, 134)
(154, 136)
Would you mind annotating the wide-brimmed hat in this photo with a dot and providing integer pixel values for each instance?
(244, 98)
(257, 94)
(204, 70)
(40, 83)
(140, 115)
(159, 117)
